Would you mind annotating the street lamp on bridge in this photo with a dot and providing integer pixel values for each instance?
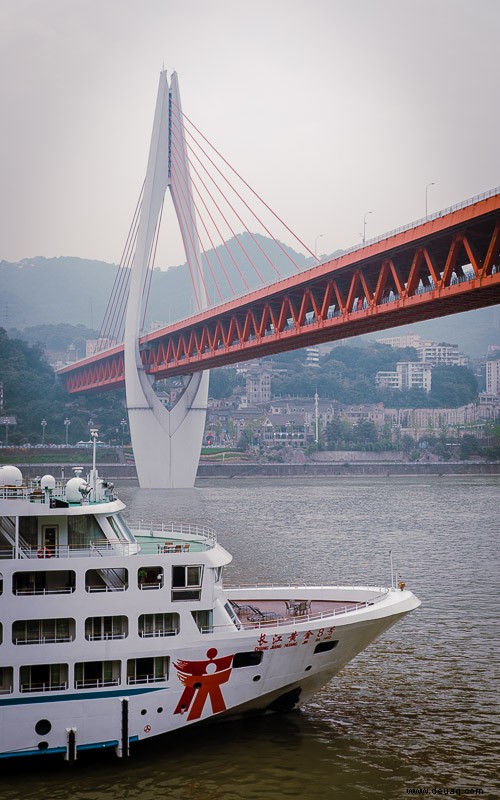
(123, 423)
(426, 190)
(44, 425)
(67, 423)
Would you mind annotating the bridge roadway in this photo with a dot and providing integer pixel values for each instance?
(442, 265)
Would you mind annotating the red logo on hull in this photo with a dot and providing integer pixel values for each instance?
(202, 680)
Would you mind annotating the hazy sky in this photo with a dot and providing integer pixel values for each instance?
(329, 108)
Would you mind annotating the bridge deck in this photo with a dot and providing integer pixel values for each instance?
(442, 266)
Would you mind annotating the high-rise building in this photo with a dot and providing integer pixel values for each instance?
(493, 377)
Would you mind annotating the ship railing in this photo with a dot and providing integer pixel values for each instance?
(158, 633)
(271, 618)
(146, 586)
(89, 588)
(95, 549)
(6, 689)
(43, 687)
(55, 590)
(382, 590)
(179, 530)
(147, 679)
(95, 683)
(101, 637)
(33, 494)
(44, 640)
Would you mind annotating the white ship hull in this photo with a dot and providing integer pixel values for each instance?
(111, 636)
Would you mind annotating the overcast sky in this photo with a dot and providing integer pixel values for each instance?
(329, 108)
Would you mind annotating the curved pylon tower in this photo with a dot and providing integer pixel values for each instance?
(166, 443)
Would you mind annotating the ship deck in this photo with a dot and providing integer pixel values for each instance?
(257, 613)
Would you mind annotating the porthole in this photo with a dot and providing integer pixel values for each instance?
(250, 659)
(307, 668)
(159, 710)
(325, 647)
(43, 746)
(143, 711)
(43, 727)
(256, 678)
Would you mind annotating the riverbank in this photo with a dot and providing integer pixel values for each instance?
(245, 470)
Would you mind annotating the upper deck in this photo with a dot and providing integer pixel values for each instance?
(44, 519)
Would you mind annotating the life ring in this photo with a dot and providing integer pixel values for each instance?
(147, 728)
(44, 552)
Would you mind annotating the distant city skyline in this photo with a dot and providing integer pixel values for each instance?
(331, 110)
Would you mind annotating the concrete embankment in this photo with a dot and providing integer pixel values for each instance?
(127, 472)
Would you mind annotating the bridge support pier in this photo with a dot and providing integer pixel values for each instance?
(166, 442)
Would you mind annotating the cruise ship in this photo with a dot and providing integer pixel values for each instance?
(112, 632)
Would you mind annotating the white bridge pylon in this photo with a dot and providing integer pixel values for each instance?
(166, 443)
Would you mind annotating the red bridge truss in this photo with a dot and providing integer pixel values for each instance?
(442, 266)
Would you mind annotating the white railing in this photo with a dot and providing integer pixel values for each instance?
(105, 547)
(147, 679)
(179, 530)
(95, 683)
(91, 589)
(56, 590)
(32, 493)
(162, 632)
(144, 586)
(95, 549)
(271, 619)
(43, 687)
(45, 640)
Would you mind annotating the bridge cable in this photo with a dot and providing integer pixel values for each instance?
(297, 239)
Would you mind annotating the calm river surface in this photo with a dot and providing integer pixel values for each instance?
(417, 710)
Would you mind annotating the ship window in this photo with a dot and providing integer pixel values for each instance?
(28, 530)
(43, 631)
(148, 670)
(186, 576)
(250, 659)
(325, 647)
(44, 677)
(106, 580)
(120, 528)
(99, 628)
(83, 530)
(93, 674)
(186, 582)
(150, 577)
(218, 574)
(41, 582)
(158, 625)
(6, 680)
(204, 620)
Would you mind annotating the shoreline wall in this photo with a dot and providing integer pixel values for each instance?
(323, 470)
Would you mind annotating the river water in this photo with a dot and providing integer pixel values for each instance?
(418, 710)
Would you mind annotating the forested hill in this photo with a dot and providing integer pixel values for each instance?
(38, 291)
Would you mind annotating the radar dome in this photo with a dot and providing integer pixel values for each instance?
(10, 476)
(48, 482)
(73, 486)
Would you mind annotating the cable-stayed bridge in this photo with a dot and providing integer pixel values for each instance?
(443, 264)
